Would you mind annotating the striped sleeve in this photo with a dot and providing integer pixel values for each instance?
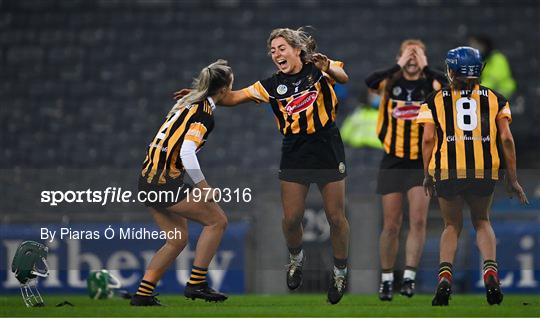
(196, 133)
(504, 106)
(505, 112)
(199, 124)
(425, 116)
(257, 93)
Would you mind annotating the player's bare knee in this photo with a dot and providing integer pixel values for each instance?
(219, 219)
(337, 220)
(479, 223)
(223, 221)
(292, 221)
(391, 229)
(418, 225)
(178, 244)
(454, 227)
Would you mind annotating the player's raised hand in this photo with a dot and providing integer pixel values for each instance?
(181, 93)
(420, 58)
(321, 61)
(513, 187)
(405, 57)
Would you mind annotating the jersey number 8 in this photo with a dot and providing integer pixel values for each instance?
(466, 114)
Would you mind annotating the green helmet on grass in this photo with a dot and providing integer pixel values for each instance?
(101, 283)
(29, 256)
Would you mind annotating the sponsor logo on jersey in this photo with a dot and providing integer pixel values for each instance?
(406, 112)
(453, 138)
(155, 145)
(301, 102)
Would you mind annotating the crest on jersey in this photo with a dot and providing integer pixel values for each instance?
(302, 102)
(396, 90)
(281, 89)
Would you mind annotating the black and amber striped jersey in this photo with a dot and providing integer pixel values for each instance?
(302, 103)
(400, 102)
(466, 130)
(191, 122)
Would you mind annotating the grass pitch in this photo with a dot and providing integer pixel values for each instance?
(293, 305)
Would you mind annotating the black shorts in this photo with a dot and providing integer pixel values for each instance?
(164, 195)
(450, 188)
(398, 175)
(314, 158)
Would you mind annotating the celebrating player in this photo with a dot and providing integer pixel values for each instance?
(169, 156)
(462, 124)
(304, 103)
(403, 87)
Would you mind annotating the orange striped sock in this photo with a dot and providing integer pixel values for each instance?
(146, 288)
(198, 275)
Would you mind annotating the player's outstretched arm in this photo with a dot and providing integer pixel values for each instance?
(509, 153)
(235, 98)
(231, 99)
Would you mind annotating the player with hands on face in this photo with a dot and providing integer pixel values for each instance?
(402, 88)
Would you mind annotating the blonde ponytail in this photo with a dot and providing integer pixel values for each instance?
(210, 80)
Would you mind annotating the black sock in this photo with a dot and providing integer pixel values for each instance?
(340, 263)
(295, 250)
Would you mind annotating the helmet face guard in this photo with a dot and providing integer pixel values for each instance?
(465, 63)
(31, 295)
(25, 263)
(101, 284)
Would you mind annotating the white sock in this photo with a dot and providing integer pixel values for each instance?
(409, 274)
(340, 272)
(387, 276)
(298, 257)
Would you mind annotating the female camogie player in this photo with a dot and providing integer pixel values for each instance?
(170, 155)
(402, 88)
(304, 103)
(462, 124)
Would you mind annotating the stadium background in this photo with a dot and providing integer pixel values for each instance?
(84, 84)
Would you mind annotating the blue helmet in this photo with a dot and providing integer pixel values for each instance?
(466, 62)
